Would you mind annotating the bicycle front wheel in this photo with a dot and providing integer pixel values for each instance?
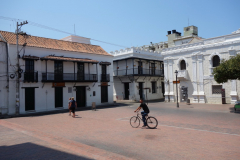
(135, 121)
(152, 122)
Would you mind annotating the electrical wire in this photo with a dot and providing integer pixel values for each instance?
(57, 30)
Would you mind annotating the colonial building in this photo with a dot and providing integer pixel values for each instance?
(194, 58)
(138, 73)
(50, 72)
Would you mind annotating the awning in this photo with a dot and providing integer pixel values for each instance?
(61, 58)
(106, 63)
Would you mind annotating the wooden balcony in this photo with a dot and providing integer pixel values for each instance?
(68, 77)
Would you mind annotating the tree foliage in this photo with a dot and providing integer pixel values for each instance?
(227, 70)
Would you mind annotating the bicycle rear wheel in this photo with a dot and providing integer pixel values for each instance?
(135, 121)
(152, 122)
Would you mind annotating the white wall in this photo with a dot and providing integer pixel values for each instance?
(44, 92)
(199, 68)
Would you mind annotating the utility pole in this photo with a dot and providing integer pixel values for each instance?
(19, 71)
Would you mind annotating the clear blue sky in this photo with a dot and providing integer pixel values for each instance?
(123, 22)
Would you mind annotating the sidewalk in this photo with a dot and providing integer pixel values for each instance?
(57, 111)
(122, 103)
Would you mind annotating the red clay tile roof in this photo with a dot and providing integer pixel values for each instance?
(48, 43)
(68, 59)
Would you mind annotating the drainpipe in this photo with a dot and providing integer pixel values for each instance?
(7, 79)
(17, 81)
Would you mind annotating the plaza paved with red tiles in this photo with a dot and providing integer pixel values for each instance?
(196, 131)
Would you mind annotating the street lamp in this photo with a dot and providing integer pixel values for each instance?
(176, 88)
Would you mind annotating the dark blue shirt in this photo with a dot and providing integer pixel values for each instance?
(73, 104)
(145, 107)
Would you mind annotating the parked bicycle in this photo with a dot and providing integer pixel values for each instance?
(151, 121)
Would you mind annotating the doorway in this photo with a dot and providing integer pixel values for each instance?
(80, 71)
(126, 90)
(104, 94)
(81, 96)
(29, 99)
(58, 70)
(163, 89)
(58, 97)
(140, 84)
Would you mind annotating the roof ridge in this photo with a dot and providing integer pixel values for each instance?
(49, 43)
(52, 39)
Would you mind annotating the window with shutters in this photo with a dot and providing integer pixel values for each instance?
(153, 87)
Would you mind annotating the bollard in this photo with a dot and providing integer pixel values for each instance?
(188, 101)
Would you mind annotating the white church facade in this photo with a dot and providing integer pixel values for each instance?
(195, 63)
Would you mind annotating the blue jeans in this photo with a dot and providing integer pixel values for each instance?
(144, 118)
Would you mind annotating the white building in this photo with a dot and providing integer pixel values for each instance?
(138, 73)
(195, 58)
(51, 71)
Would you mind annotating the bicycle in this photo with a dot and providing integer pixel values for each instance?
(151, 121)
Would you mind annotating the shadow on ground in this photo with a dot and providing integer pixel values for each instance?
(33, 151)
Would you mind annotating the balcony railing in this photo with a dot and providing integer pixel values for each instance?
(138, 72)
(30, 76)
(68, 77)
(105, 78)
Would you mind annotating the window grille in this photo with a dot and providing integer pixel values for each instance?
(216, 89)
(183, 65)
(153, 87)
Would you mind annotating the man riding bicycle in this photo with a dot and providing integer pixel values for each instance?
(144, 112)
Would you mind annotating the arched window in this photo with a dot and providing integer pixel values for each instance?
(183, 65)
(215, 61)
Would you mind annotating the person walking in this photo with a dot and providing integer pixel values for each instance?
(69, 100)
(73, 106)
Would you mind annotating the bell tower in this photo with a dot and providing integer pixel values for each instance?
(190, 30)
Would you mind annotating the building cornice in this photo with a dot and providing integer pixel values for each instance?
(136, 52)
(207, 43)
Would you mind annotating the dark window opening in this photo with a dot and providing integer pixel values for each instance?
(153, 68)
(58, 70)
(140, 69)
(80, 71)
(153, 87)
(29, 66)
(216, 61)
(183, 65)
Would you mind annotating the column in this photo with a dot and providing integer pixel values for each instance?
(233, 92)
(170, 75)
(201, 85)
(166, 81)
(194, 78)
